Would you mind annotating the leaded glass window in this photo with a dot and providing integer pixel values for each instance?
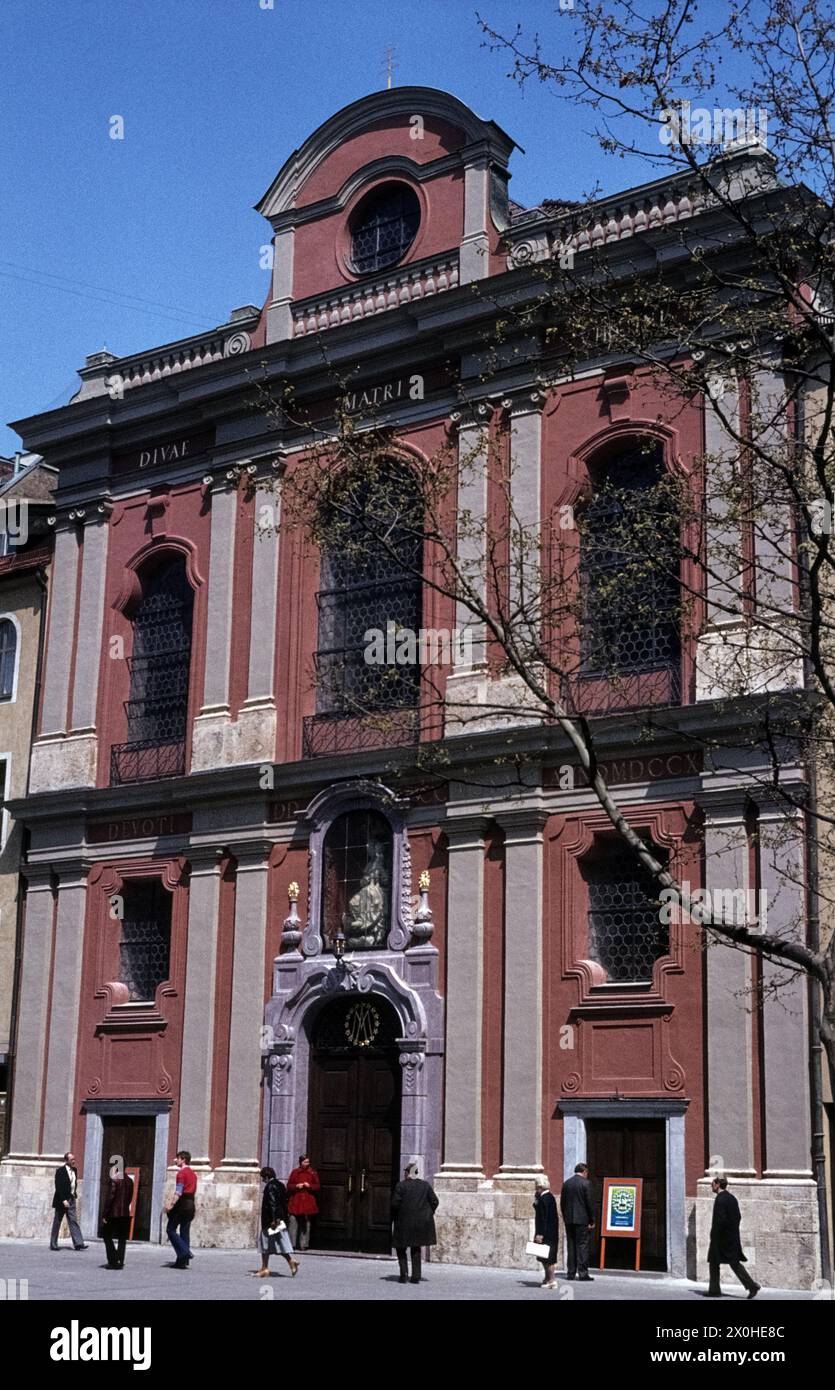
(356, 880)
(629, 564)
(370, 586)
(145, 947)
(384, 228)
(8, 654)
(157, 706)
(626, 933)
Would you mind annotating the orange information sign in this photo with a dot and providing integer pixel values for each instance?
(133, 1173)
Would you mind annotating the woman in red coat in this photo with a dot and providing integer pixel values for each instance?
(302, 1185)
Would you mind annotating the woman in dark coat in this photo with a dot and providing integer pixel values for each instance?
(413, 1207)
(546, 1230)
(274, 1214)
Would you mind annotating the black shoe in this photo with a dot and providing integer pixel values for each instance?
(180, 1264)
(571, 1276)
(111, 1266)
(403, 1279)
(585, 1278)
(55, 1247)
(754, 1290)
(81, 1247)
(414, 1281)
(714, 1293)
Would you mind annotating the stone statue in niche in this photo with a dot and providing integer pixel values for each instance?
(365, 921)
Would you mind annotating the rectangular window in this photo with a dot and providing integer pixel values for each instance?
(145, 947)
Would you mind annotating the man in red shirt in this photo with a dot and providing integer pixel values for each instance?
(181, 1211)
(302, 1185)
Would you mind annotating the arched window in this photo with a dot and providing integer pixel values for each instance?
(383, 228)
(629, 563)
(157, 704)
(356, 881)
(8, 658)
(626, 933)
(371, 582)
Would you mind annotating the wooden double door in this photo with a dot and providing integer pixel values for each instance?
(132, 1137)
(631, 1149)
(354, 1144)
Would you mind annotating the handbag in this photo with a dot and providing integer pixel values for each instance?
(536, 1248)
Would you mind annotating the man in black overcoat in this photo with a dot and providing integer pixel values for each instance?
(577, 1207)
(725, 1245)
(413, 1207)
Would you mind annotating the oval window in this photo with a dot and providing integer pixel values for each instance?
(383, 228)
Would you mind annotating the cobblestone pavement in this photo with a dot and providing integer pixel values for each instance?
(225, 1274)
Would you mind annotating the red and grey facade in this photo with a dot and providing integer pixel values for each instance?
(504, 1040)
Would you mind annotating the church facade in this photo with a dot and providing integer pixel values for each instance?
(253, 926)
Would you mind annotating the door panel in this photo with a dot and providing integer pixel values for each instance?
(631, 1149)
(133, 1137)
(354, 1143)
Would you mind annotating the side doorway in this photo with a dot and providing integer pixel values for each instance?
(131, 1136)
(624, 1148)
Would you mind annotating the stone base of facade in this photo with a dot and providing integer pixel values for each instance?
(27, 1186)
(63, 760)
(484, 1221)
(219, 741)
(779, 1229)
(228, 1203)
(228, 1207)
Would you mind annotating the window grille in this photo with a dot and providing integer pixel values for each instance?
(384, 229)
(364, 587)
(145, 947)
(626, 933)
(157, 705)
(630, 555)
(356, 880)
(8, 653)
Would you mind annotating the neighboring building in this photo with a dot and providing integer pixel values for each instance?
(25, 545)
(187, 775)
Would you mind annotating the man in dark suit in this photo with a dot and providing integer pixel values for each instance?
(413, 1207)
(725, 1245)
(577, 1210)
(63, 1203)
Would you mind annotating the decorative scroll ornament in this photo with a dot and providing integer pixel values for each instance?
(291, 932)
(238, 342)
(362, 1024)
(422, 924)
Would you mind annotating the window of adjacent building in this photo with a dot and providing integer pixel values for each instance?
(371, 582)
(383, 228)
(145, 946)
(626, 933)
(629, 564)
(8, 658)
(356, 880)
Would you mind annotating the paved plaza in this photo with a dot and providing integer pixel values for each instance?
(70, 1275)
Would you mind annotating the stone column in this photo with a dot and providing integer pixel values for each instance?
(719, 649)
(196, 1074)
(33, 1016)
(729, 999)
(90, 622)
(57, 760)
(467, 682)
(475, 246)
(522, 1099)
(257, 718)
(279, 313)
(787, 1245)
(248, 965)
(525, 497)
(465, 993)
(59, 1093)
(212, 724)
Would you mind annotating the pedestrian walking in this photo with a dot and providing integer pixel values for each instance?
(546, 1230)
(577, 1207)
(275, 1237)
(413, 1207)
(725, 1245)
(63, 1204)
(302, 1186)
(116, 1219)
(182, 1209)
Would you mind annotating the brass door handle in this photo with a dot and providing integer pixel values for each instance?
(362, 1183)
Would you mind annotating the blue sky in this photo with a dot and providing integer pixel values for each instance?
(134, 242)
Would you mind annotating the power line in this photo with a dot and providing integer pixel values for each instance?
(116, 299)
